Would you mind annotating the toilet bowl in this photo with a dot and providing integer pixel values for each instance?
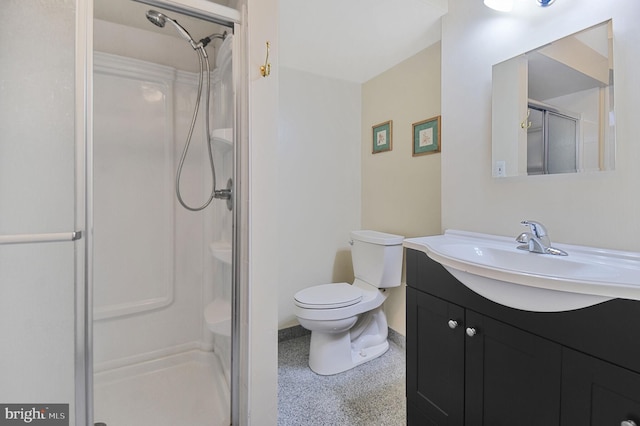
(348, 326)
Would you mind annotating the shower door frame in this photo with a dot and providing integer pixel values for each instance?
(84, 196)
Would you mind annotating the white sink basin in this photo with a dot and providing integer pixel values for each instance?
(493, 267)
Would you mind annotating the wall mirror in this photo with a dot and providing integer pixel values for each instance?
(552, 107)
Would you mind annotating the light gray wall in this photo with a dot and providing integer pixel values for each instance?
(261, 115)
(598, 209)
(319, 182)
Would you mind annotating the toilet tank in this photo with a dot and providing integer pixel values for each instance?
(377, 258)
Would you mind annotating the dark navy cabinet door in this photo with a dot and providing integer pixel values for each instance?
(512, 376)
(595, 392)
(435, 361)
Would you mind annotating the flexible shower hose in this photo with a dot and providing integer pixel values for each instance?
(204, 65)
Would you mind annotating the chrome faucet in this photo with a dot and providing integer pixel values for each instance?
(537, 241)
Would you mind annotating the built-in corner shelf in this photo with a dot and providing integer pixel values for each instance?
(217, 316)
(223, 137)
(221, 250)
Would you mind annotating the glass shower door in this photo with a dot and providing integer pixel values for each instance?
(40, 253)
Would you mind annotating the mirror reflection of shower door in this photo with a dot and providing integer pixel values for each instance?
(162, 274)
(552, 142)
(562, 134)
(536, 143)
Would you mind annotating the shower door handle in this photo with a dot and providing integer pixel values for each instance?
(40, 238)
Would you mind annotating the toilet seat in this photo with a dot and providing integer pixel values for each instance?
(328, 296)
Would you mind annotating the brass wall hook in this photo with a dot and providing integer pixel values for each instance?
(526, 123)
(265, 69)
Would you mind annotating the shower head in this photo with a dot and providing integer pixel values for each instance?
(156, 18)
(159, 19)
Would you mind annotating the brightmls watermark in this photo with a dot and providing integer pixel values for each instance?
(34, 414)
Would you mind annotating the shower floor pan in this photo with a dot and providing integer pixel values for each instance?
(184, 389)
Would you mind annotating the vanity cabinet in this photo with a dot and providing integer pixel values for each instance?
(471, 361)
(468, 364)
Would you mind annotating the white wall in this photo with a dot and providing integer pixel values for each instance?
(261, 205)
(330, 183)
(319, 183)
(598, 209)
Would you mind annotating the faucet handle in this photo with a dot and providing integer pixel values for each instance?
(537, 229)
(524, 238)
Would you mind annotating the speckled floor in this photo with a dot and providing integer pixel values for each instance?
(372, 394)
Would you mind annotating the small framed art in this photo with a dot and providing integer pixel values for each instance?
(426, 136)
(382, 137)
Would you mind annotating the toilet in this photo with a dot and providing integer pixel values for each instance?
(348, 326)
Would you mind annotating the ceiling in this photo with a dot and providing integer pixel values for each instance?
(356, 40)
(352, 40)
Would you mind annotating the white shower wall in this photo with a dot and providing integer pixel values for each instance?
(148, 253)
(154, 268)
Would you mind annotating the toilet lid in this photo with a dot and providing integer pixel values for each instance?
(328, 296)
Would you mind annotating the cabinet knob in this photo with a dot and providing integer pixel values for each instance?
(472, 332)
(454, 324)
(628, 423)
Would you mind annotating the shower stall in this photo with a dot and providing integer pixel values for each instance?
(163, 169)
(118, 305)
